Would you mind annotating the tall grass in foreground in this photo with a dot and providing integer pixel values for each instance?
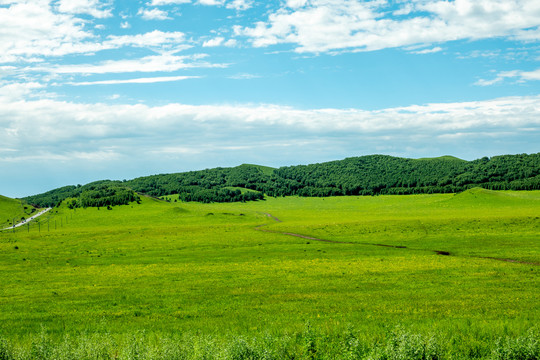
(398, 344)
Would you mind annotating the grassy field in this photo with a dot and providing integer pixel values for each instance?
(11, 209)
(461, 269)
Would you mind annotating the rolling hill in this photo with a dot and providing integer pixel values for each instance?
(365, 175)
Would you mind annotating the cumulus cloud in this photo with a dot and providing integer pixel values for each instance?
(126, 140)
(153, 14)
(156, 38)
(217, 41)
(31, 29)
(94, 8)
(53, 126)
(353, 25)
(230, 43)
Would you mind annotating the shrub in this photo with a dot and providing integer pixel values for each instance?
(5, 353)
(402, 345)
(521, 348)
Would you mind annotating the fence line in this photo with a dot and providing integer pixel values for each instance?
(34, 223)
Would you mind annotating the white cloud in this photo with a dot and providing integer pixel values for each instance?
(406, 9)
(230, 43)
(125, 25)
(244, 76)
(153, 14)
(7, 70)
(296, 3)
(354, 25)
(428, 51)
(89, 7)
(113, 138)
(168, 2)
(68, 156)
(149, 80)
(240, 4)
(17, 91)
(220, 41)
(162, 41)
(529, 34)
(211, 2)
(529, 75)
(52, 125)
(217, 41)
(154, 63)
(31, 29)
(234, 4)
(519, 75)
(156, 38)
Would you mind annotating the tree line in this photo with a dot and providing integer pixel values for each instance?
(98, 194)
(365, 175)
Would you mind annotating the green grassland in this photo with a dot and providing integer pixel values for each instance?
(12, 209)
(215, 271)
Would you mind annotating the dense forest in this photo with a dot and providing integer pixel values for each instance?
(366, 175)
(97, 194)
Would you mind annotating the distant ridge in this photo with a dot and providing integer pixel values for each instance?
(364, 175)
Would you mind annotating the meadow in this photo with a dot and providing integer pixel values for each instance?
(447, 276)
(13, 210)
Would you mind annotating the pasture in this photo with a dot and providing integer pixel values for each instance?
(11, 209)
(461, 268)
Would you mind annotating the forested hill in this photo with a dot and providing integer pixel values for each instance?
(380, 174)
(366, 175)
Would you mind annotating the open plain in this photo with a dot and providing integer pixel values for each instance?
(462, 269)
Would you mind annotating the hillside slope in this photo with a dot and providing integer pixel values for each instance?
(13, 209)
(365, 175)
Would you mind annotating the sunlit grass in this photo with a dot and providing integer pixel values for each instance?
(170, 268)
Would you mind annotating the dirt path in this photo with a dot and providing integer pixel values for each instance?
(438, 252)
(28, 220)
(260, 228)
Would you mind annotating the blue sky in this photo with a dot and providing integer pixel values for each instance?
(104, 89)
